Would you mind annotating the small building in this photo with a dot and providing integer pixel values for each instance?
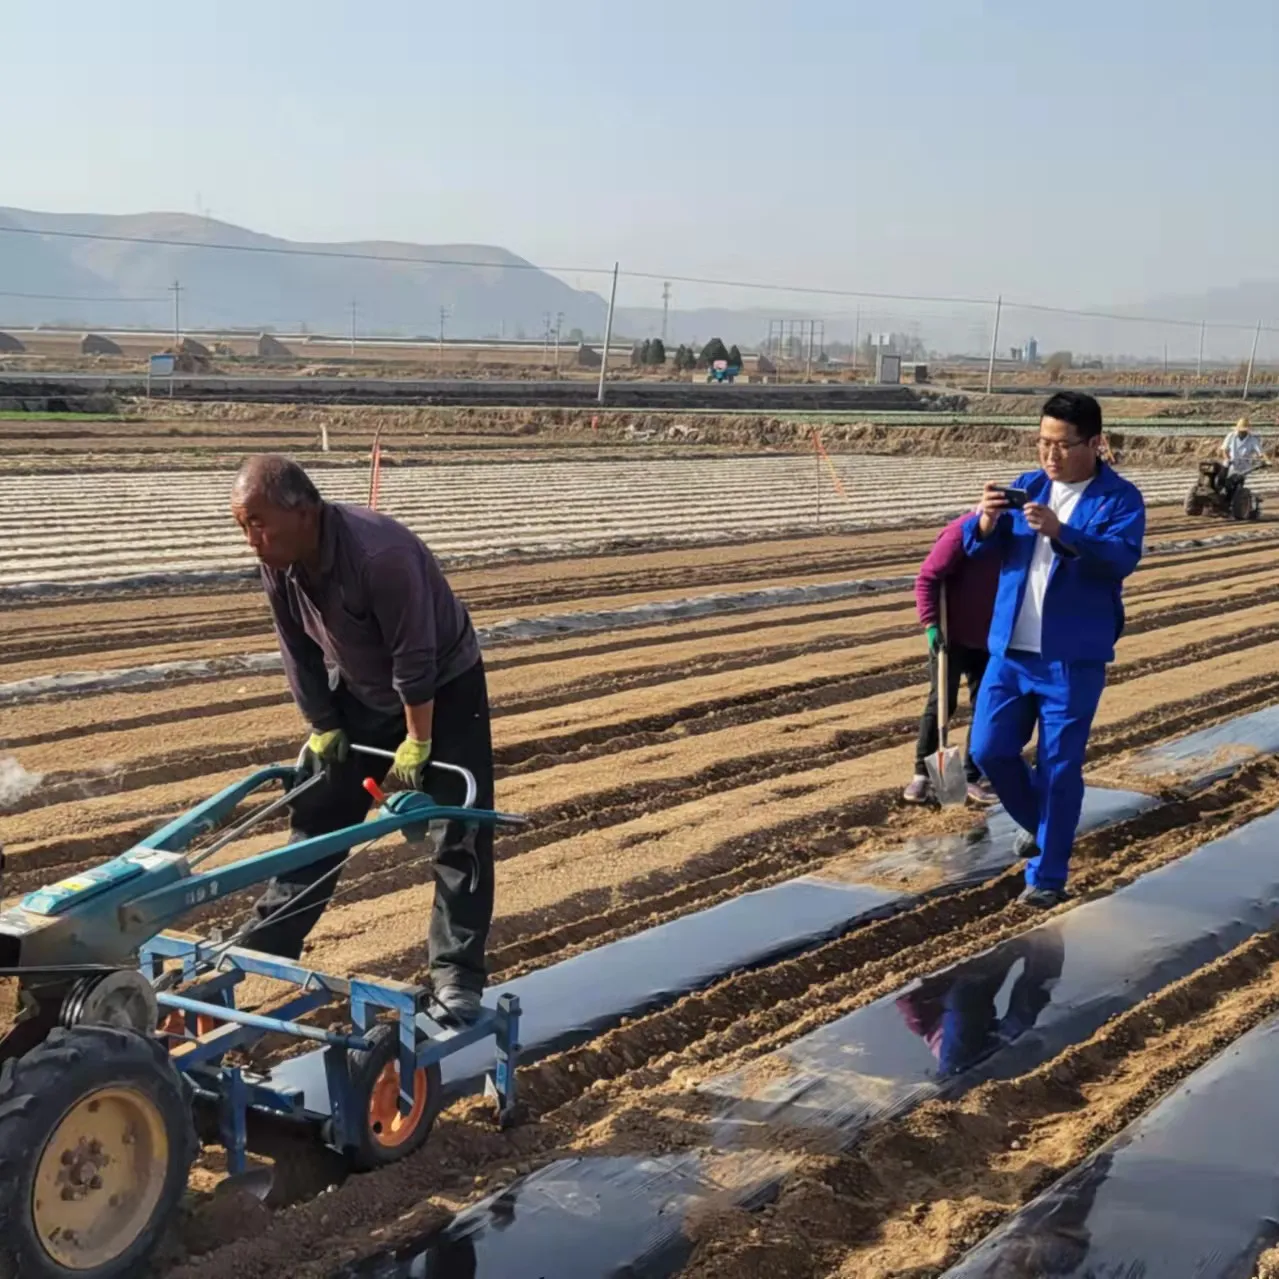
(96, 344)
(888, 368)
(272, 348)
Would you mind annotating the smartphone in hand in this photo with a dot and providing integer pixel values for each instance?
(1016, 498)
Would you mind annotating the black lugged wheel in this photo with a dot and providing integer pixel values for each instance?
(96, 1142)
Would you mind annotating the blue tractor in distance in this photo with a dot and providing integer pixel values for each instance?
(722, 371)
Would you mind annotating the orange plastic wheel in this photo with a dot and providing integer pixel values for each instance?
(387, 1126)
(387, 1135)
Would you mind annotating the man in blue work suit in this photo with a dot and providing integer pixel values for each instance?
(1058, 612)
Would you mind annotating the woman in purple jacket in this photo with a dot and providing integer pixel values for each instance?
(970, 585)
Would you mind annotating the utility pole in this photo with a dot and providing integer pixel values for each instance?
(857, 338)
(176, 289)
(1199, 363)
(353, 309)
(559, 324)
(608, 334)
(1252, 359)
(994, 342)
(666, 308)
(444, 315)
(546, 337)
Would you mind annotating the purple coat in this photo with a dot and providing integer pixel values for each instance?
(971, 584)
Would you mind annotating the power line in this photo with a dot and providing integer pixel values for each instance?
(862, 295)
(709, 281)
(63, 297)
(280, 251)
(799, 288)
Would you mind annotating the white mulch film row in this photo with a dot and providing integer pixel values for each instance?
(81, 528)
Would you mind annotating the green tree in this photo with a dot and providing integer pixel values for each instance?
(734, 357)
(637, 355)
(656, 352)
(712, 351)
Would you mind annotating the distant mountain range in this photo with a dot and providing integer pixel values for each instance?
(268, 282)
(124, 279)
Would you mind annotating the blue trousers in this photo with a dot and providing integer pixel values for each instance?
(1019, 691)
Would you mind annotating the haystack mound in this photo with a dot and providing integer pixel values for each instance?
(10, 345)
(196, 350)
(587, 357)
(96, 344)
(273, 347)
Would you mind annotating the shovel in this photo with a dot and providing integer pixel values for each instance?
(946, 767)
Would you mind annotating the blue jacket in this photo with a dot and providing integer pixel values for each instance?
(1097, 549)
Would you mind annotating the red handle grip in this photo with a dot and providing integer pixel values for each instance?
(379, 795)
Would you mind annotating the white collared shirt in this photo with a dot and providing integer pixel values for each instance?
(1241, 449)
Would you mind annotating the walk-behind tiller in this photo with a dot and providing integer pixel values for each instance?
(123, 1032)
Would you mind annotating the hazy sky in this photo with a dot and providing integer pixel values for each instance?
(1075, 152)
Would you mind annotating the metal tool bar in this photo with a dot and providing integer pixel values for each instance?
(244, 960)
(230, 836)
(221, 1013)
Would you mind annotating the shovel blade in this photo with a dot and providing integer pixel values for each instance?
(946, 773)
(253, 1181)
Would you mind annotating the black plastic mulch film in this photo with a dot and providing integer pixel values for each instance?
(998, 1014)
(1188, 1191)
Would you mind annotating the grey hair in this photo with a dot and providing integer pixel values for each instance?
(280, 480)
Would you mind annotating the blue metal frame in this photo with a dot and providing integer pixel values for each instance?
(212, 972)
(423, 1042)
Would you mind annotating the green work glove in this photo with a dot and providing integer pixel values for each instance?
(409, 759)
(934, 639)
(323, 750)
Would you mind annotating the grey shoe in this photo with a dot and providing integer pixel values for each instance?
(1042, 898)
(920, 791)
(460, 1005)
(1025, 845)
(982, 794)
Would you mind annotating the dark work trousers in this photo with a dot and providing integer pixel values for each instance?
(964, 663)
(463, 907)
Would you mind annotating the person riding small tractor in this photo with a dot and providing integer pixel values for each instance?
(1222, 490)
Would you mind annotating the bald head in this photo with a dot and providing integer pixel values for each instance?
(278, 508)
